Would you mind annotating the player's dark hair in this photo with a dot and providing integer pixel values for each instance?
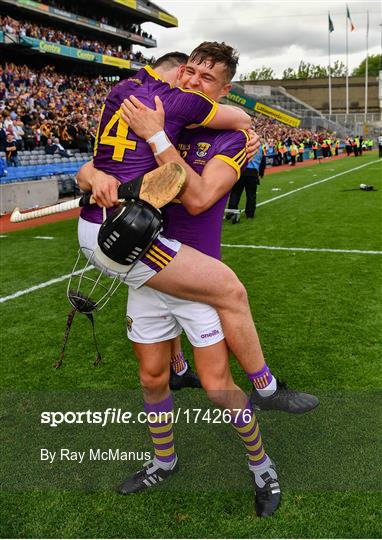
(216, 53)
(171, 60)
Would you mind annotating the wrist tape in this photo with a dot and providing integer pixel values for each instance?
(161, 142)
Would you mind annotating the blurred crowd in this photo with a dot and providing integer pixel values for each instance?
(38, 105)
(272, 133)
(286, 145)
(30, 29)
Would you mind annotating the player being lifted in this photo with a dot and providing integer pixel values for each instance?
(168, 267)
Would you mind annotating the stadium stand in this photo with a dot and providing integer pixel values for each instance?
(28, 29)
(58, 64)
(280, 100)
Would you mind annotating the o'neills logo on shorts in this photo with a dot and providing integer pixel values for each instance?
(210, 334)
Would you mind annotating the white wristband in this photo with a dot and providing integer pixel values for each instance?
(161, 142)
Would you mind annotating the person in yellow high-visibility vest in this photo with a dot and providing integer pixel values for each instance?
(329, 148)
(337, 147)
(280, 152)
(315, 149)
(293, 150)
(301, 149)
(283, 150)
(355, 145)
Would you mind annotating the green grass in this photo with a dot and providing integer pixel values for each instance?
(319, 318)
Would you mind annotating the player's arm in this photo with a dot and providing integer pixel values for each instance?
(229, 117)
(203, 191)
(217, 179)
(198, 109)
(103, 186)
(218, 117)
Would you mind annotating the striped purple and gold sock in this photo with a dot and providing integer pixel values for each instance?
(263, 380)
(247, 428)
(160, 426)
(179, 363)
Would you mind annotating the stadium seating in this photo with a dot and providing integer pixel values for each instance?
(36, 165)
(282, 100)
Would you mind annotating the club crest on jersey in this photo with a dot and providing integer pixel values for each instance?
(129, 323)
(203, 148)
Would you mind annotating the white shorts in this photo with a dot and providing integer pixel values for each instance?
(160, 254)
(153, 316)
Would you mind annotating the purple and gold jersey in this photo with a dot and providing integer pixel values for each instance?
(197, 146)
(119, 151)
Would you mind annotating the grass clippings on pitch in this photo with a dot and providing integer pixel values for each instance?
(319, 318)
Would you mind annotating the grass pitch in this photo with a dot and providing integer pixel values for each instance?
(317, 310)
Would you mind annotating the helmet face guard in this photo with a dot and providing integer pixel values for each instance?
(88, 289)
(123, 239)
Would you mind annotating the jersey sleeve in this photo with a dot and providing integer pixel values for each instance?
(232, 150)
(196, 107)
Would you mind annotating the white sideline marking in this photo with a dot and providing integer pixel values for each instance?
(44, 237)
(3, 236)
(324, 250)
(317, 182)
(41, 285)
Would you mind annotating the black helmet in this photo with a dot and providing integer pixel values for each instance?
(126, 235)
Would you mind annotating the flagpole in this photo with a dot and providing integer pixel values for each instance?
(347, 66)
(367, 64)
(330, 80)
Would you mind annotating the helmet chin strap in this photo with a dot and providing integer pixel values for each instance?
(84, 304)
(69, 322)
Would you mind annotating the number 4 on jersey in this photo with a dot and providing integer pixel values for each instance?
(119, 141)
